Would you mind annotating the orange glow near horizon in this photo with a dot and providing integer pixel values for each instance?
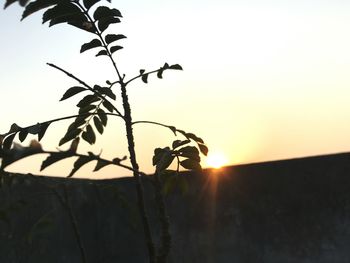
(216, 160)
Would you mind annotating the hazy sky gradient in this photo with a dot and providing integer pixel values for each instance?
(262, 80)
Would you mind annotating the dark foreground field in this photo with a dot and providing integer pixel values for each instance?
(284, 211)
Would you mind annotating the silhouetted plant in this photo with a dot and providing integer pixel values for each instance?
(94, 109)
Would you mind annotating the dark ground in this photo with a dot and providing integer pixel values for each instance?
(275, 212)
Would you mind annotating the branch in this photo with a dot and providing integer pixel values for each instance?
(56, 120)
(140, 75)
(84, 84)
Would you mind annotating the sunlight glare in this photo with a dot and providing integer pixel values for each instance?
(216, 160)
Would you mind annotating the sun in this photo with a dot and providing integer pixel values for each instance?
(216, 160)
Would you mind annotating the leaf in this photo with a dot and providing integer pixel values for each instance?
(103, 117)
(53, 158)
(160, 73)
(62, 12)
(176, 67)
(78, 164)
(173, 129)
(89, 3)
(105, 91)
(34, 129)
(22, 135)
(14, 128)
(70, 135)
(86, 109)
(108, 105)
(142, 71)
(100, 164)
(7, 143)
(35, 6)
(43, 128)
(102, 53)
(203, 149)
(87, 100)
(83, 23)
(115, 48)
(112, 37)
(144, 78)
(98, 124)
(190, 152)
(71, 92)
(74, 145)
(178, 143)
(92, 44)
(190, 164)
(162, 158)
(104, 11)
(193, 137)
(104, 23)
(89, 135)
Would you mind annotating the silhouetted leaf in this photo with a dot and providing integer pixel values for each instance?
(104, 23)
(87, 100)
(53, 158)
(111, 38)
(100, 164)
(103, 117)
(203, 149)
(115, 48)
(35, 6)
(7, 142)
(14, 128)
(76, 124)
(63, 12)
(160, 73)
(190, 164)
(162, 158)
(71, 92)
(78, 164)
(89, 135)
(82, 22)
(104, 11)
(178, 143)
(105, 91)
(43, 128)
(102, 53)
(173, 129)
(74, 145)
(22, 135)
(70, 135)
(98, 124)
(194, 137)
(176, 67)
(190, 152)
(89, 3)
(108, 105)
(142, 71)
(86, 109)
(92, 44)
(145, 78)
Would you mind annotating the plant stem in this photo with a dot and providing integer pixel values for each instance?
(165, 243)
(135, 166)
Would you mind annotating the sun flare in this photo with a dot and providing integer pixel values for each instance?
(216, 160)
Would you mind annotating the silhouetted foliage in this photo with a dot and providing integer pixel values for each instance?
(96, 106)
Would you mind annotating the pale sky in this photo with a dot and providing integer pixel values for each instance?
(262, 80)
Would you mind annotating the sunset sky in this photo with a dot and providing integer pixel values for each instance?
(262, 80)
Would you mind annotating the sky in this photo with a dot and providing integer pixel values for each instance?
(262, 80)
